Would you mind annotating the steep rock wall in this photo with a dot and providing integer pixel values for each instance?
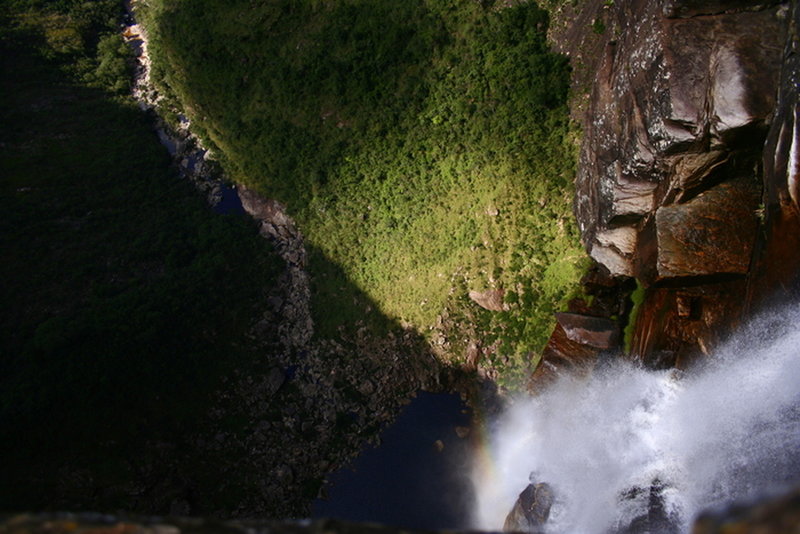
(688, 169)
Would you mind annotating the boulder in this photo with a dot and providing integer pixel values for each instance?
(532, 509)
(491, 299)
(623, 239)
(462, 431)
(655, 516)
(632, 199)
(613, 260)
(262, 208)
(596, 332)
(273, 381)
(693, 172)
(614, 249)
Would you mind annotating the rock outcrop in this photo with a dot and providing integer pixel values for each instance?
(532, 509)
(679, 115)
(276, 225)
(192, 160)
(688, 171)
(775, 515)
(654, 517)
(581, 335)
(561, 356)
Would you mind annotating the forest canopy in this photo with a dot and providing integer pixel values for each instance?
(424, 147)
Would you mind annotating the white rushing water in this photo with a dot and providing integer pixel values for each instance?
(726, 431)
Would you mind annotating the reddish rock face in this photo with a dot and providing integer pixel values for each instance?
(711, 234)
(777, 256)
(561, 355)
(675, 325)
(681, 105)
(689, 175)
(580, 336)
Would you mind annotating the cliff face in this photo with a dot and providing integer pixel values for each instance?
(688, 168)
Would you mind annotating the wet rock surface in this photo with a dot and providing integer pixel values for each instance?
(587, 331)
(532, 509)
(656, 518)
(561, 356)
(771, 515)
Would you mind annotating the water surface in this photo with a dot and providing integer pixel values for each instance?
(410, 480)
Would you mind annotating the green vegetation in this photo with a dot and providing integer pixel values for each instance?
(423, 146)
(637, 298)
(82, 37)
(124, 300)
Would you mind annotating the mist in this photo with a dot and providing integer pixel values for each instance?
(727, 430)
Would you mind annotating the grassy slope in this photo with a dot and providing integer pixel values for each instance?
(423, 146)
(124, 300)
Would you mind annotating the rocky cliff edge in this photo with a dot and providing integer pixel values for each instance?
(688, 173)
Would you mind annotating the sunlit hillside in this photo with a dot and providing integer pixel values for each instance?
(423, 146)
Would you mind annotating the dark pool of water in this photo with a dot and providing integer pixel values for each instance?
(408, 481)
(230, 202)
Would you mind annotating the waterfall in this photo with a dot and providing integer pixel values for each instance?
(726, 430)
